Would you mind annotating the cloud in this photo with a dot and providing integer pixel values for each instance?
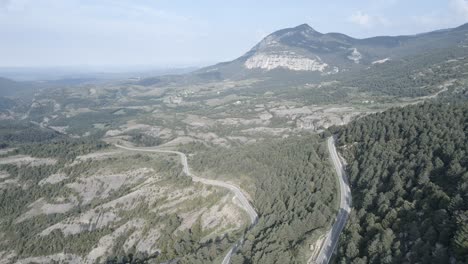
(365, 20)
(98, 32)
(460, 7)
(101, 18)
(361, 19)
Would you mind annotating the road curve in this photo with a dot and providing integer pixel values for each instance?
(243, 202)
(331, 239)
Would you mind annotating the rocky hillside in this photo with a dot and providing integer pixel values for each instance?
(302, 49)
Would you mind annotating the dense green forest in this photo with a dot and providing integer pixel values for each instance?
(14, 132)
(30, 139)
(294, 193)
(143, 140)
(408, 171)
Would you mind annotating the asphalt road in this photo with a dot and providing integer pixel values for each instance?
(242, 200)
(331, 239)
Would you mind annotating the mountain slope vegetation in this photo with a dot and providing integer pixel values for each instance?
(408, 168)
(293, 191)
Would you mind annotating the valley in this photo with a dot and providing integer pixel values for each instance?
(96, 171)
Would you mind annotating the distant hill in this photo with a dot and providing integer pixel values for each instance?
(12, 88)
(403, 66)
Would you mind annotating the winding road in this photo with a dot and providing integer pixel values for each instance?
(243, 202)
(331, 238)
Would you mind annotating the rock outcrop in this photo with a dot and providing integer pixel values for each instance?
(288, 61)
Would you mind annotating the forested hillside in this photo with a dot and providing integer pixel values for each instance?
(51, 184)
(294, 193)
(408, 171)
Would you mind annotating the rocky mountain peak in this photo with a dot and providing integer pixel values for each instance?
(305, 28)
(303, 31)
(289, 37)
(284, 49)
(301, 48)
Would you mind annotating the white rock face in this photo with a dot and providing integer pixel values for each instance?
(381, 61)
(289, 61)
(355, 56)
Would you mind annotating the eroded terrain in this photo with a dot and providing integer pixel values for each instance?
(111, 203)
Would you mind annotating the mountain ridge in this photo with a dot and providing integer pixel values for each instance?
(303, 49)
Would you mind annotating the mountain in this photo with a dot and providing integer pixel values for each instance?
(303, 49)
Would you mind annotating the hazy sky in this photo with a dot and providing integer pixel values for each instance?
(182, 33)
